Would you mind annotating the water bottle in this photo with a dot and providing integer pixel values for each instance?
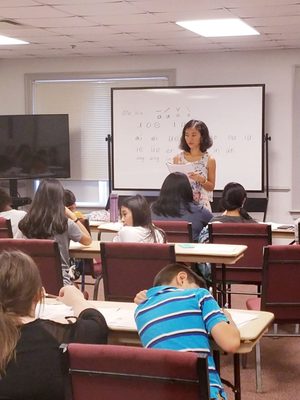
(113, 207)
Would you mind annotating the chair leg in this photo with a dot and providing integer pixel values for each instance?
(244, 361)
(96, 287)
(258, 368)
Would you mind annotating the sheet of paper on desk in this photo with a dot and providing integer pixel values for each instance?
(183, 168)
(52, 311)
(241, 318)
(119, 318)
(111, 226)
(76, 245)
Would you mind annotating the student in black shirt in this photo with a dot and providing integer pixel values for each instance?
(31, 363)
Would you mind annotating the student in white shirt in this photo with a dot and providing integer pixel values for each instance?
(7, 212)
(138, 226)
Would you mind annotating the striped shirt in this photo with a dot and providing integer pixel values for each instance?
(181, 319)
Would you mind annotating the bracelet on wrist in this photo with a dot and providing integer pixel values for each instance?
(203, 183)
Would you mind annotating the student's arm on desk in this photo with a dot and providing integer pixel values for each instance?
(72, 297)
(227, 336)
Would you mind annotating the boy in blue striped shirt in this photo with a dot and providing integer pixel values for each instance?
(177, 313)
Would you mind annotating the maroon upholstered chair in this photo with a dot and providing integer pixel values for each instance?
(280, 291)
(176, 231)
(248, 270)
(131, 267)
(124, 372)
(46, 255)
(5, 228)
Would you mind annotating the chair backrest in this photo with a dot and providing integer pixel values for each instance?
(280, 285)
(176, 231)
(5, 228)
(131, 267)
(124, 372)
(46, 255)
(253, 235)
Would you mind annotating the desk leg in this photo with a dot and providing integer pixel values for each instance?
(237, 376)
(224, 301)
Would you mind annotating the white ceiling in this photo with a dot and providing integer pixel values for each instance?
(60, 28)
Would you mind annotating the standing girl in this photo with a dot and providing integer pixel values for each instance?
(195, 141)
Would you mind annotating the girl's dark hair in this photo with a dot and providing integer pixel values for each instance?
(175, 193)
(20, 286)
(5, 199)
(166, 275)
(141, 214)
(206, 141)
(46, 215)
(233, 197)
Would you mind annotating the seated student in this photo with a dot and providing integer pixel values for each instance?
(6, 211)
(177, 313)
(31, 363)
(232, 204)
(70, 203)
(48, 218)
(175, 202)
(138, 226)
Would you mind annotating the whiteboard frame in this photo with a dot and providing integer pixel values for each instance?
(154, 190)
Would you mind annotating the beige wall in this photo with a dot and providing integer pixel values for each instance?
(274, 68)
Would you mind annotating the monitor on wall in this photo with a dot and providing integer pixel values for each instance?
(34, 146)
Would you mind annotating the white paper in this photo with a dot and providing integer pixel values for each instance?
(183, 168)
(241, 318)
(119, 318)
(111, 226)
(53, 311)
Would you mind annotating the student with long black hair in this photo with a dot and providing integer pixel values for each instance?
(137, 222)
(48, 218)
(175, 202)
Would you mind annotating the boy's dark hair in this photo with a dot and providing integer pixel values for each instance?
(166, 275)
(69, 198)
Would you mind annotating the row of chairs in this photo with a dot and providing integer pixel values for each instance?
(140, 261)
(274, 269)
(116, 259)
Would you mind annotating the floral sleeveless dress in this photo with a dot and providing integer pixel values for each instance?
(201, 196)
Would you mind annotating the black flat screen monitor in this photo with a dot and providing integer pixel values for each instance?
(34, 146)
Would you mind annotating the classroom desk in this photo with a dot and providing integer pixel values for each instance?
(122, 329)
(288, 234)
(185, 252)
(111, 227)
(126, 334)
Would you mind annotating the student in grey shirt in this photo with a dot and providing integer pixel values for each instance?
(48, 218)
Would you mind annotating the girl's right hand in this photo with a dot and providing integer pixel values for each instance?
(69, 295)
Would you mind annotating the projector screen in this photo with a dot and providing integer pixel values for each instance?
(147, 125)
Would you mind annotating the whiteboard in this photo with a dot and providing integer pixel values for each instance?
(147, 125)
